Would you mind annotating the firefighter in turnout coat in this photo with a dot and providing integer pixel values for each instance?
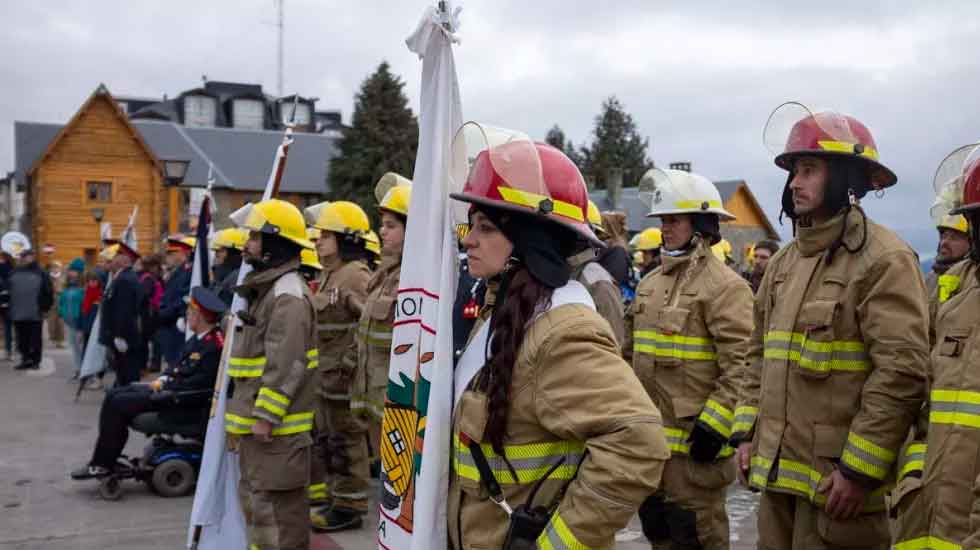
(341, 290)
(689, 330)
(272, 365)
(836, 372)
(937, 502)
(549, 420)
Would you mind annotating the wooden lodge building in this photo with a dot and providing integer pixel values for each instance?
(109, 158)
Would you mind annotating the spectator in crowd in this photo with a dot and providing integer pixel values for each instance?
(763, 251)
(6, 267)
(56, 328)
(30, 299)
(150, 268)
(70, 310)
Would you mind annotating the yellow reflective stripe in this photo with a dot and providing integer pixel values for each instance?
(926, 543)
(718, 416)
(317, 491)
(530, 462)
(744, 419)
(291, 424)
(272, 401)
(557, 536)
(914, 459)
(840, 355)
(677, 443)
(534, 200)
(246, 367)
(947, 285)
(314, 358)
(363, 405)
(800, 479)
(866, 457)
(656, 343)
(696, 205)
(960, 407)
(847, 147)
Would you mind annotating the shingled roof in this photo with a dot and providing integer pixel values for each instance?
(242, 159)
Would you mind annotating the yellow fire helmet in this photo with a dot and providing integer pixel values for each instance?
(274, 217)
(394, 193)
(372, 243)
(109, 252)
(180, 242)
(232, 237)
(344, 217)
(722, 250)
(955, 222)
(595, 220)
(309, 258)
(649, 239)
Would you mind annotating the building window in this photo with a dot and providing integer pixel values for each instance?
(199, 111)
(302, 113)
(99, 191)
(248, 113)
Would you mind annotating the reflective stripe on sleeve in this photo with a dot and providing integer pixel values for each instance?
(313, 358)
(718, 417)
(677, 442)
(273, 402)
(291, 424)
(557, 536)
(744, 419)
(864, 456)
(914, 459)
(797, 478)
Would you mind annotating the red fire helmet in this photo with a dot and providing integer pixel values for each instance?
(971, 186)
(793, 130)
(511, 172)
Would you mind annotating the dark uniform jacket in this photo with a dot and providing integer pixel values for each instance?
(123, 307)
(176, 287)
(196, 370)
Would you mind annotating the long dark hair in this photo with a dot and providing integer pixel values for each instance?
(522, 295)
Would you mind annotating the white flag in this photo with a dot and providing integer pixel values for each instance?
(416, 427)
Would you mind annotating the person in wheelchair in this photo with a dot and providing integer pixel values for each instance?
(180, 396)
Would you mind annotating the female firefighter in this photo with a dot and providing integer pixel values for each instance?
(549, 420)
(341, 288)
(370, 351)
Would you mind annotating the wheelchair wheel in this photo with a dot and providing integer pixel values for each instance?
(174, 478)
(110, 488)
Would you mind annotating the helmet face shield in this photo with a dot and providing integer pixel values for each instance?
(668, 191)
(506, 169)
(794, 130)
(248, 217)
(949, 180)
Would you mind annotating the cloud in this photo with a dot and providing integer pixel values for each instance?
(699, 79)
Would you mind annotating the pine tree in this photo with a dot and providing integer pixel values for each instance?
(383, 137)
(556, 138)
(616, 144)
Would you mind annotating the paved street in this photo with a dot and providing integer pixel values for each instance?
(45, 434)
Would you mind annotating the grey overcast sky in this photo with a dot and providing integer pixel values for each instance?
(700, 78)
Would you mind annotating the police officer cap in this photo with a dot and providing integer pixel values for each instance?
(208, 301)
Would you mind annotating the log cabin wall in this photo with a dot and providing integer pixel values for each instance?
(97, 162)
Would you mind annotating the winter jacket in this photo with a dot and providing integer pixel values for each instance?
(196, 370)
(274, 355)
(837, 364)
(604, 290)
(372, 346)
(339, 302)
(946, 510)
(576, 404)
(31, 293)
(70, 305)
(688, 336)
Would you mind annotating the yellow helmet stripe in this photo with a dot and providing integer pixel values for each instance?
(694, 205)
(845, 147)
(534, 200)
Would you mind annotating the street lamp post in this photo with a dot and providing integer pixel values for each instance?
(97, 214)
(174, 172)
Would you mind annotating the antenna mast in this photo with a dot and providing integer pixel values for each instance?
(281, 48)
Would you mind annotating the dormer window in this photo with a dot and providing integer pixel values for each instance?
(303, 113)
(248, 113)
(199, 111)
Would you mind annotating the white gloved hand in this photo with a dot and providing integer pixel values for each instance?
(181, 325)
(120, 344)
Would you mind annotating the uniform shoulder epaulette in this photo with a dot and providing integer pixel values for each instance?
(216, 337)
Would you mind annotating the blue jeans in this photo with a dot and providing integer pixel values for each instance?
(75, 340)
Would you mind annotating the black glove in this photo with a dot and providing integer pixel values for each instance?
(705, 443)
